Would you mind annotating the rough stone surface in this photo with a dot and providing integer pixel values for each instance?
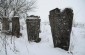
(5, 24)
(61, 24)
(16, 27)
(33, 29)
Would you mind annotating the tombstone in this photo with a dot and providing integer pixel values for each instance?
(0, 24)
(5, 24)
(67, 18)
(55, 23)
(61, 23)
(33, 28)
(16, 27)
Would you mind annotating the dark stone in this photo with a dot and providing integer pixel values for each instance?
(67, 16)
(5, 24)
(38, 40)
(33, 29)
(61, 24)
(16, 27)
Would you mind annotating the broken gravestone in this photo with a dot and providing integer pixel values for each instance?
(33, 28)
(61, 24)
(15, 27)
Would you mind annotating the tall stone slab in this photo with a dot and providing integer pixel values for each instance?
(61, 24)
(15, 27)
(55, 17)
(67, 18)
(5, 24)
(33, 28)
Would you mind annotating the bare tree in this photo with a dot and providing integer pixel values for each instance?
(16, 7)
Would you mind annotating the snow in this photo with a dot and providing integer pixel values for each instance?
(23, 47)
(16, 16)
(45, 47)
(78, 39)
(32, 18)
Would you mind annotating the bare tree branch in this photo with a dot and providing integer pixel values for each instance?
(16, 6)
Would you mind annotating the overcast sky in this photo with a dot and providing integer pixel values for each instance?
(44, 6)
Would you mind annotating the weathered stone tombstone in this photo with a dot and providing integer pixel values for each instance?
(33, 28)
(61, 24)
(0, 24)
(5, 24)
(67, 16)
(54, 23)
(16, 27)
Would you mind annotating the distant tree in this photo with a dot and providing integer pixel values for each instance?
(16, 7)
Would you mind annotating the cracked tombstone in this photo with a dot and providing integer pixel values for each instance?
(33, 28)
(61, 24)
(16, 27)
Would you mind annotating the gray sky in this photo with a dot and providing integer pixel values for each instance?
(44, 6)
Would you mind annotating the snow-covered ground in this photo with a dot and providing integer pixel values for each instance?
(45, 47)
(77, 40)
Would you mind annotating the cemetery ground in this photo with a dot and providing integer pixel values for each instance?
(21, 46)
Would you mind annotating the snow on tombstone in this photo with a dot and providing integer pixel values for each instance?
(15, 26)
(33, 28)
(61, 24)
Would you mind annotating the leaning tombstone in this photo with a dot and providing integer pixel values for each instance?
(5, 24)
(61, 24)
(33, 28)
(16, 26)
